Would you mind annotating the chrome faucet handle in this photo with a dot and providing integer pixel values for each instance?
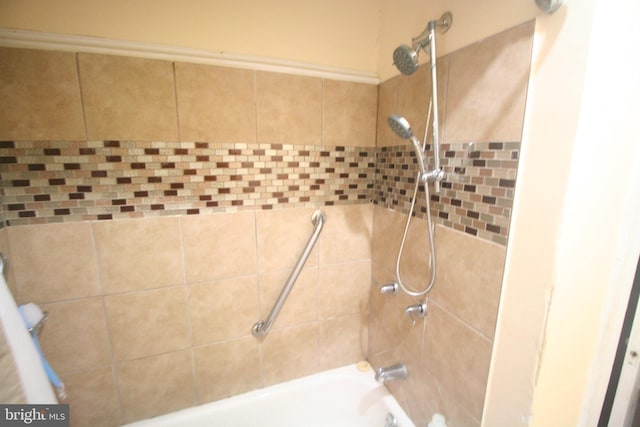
(391, 288)
(416, 311)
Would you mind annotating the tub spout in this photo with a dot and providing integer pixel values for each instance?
(393, 372)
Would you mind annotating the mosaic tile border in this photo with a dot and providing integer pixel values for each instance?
(477, 197)
(62, 181)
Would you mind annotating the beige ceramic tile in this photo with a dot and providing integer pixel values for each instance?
(458, 357)
(7, 263)
(487, 88)
(415, 271)
(75, 336)
(289, 109)
(424, 396)
(388, 226)
(227, 369)
(216, 104)
(128, 98)
(455, 414)
(347, 234)
(156, 385)
(377, 338)
(349, 114)
(223, 310)
(290, 353)
(53, 262)
(400, 332)
(414, 95)
(415, 261)
(282, 236)
(148, 322)
(342, 341)
(422, 393)
(41, 96)
(301, 305)
(139, 254)
(219, 246)
(387, 105)
(93, 399)
(344, 289)
(469, 278)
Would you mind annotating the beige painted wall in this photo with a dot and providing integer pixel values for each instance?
(337, 33)
(574, 238)
(472, 21)
(353, 34)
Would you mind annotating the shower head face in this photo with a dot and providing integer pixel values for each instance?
(400, 126)
(405, 59)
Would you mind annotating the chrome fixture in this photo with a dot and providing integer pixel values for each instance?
(262, 327)
(393, 372)
(549, 6)
(405, 58)
(416, 311)
(391, 288)
(402, 128)
(390, 421)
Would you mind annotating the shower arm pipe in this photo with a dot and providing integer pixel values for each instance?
(262, 327)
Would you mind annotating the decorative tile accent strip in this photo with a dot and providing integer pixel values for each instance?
(476, 198)
(60, 181)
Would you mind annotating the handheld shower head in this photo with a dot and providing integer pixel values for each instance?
(405, 59)
(401, 127)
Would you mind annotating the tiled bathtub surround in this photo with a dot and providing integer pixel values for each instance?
(145, 311)
(476, 197)
(73, 181)
(482, 90)
(152, 315)
(448, 352)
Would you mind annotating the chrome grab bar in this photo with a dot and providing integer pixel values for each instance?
(262, 327)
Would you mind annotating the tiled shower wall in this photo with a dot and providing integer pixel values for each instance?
(482, 92)
(201, 161)
(155, 209)
(86, 136)
(152, 315)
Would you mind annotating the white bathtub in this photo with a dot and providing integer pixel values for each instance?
(343, 397)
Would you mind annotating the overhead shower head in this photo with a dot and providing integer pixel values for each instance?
(405, 59)
(402, 128)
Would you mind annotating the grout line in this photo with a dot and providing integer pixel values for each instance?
(82, 106)
(187, 295)
(259, 317)
(102, 296)
(175, 98)
(255, 104)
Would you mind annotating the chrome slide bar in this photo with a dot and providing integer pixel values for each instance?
(262, 327)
